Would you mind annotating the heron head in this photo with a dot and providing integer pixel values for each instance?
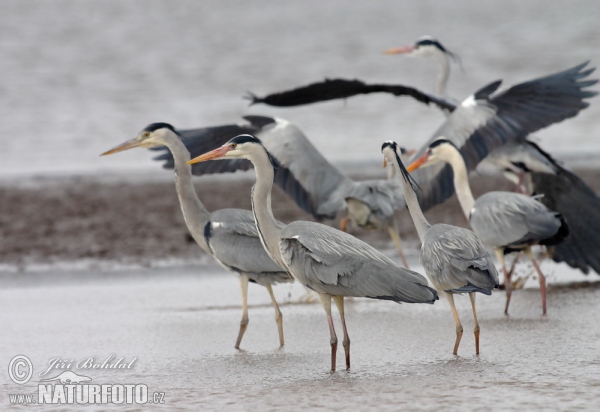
(243, 146)
(424, 46)
(153, 135)
(440, 151)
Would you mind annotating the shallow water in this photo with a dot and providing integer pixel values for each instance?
(81, 77)
(182, 324)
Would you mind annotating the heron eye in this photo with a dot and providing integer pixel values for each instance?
(233, 145)
(147, 134)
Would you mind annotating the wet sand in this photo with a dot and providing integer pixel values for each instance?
(116, 219)
(181, 324)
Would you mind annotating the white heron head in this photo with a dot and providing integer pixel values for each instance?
(153, 135)
(425, 46)
(243, 146)
(440, 151)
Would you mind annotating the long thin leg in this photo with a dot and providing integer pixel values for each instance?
(326, 302)
(541, 278)
(507, 286)
(393, 232)
(278, 315)
(459, 328)
(244, 322)
(339, 302)
(476, 330)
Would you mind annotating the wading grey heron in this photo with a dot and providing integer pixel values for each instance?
(326, 260)
(228, 235)
(454, 259)
(317, 186)
(505, 221)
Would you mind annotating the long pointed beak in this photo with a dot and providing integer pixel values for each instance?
(418, 163)
(400, 50)
(130, 144)
(384, 162)
(212, 155)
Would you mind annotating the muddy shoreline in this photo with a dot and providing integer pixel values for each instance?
(137, 222)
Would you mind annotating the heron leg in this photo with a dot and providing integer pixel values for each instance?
(393, 232)
(541, 278)
(507, 286)
(339, 302)
(344, 224)
(459, 328)
(278, 315)
(326, 302)
(244, 322)
(476, 330)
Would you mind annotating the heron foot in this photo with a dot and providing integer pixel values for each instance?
(459, 333)
(333, 354)
(243, 327)
(346, 345)
(477, 340)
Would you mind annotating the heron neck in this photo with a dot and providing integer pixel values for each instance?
(194, 213)
(461, 182)
(421, 223)
(442, 78)
(266, 225)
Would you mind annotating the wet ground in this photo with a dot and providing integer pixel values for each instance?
(181, 324)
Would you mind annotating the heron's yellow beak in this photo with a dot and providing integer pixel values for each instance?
(400, 50)
(212, 155)
(130, 144)
(384, 162)
(418, 163)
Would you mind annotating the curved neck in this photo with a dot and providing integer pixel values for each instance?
(421, 224)
(194, 213)
(442, 78)
(461, 181)
(266, 225)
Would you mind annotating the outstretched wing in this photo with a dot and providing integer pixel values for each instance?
(568, 195)
(332, 89)
(488, 119)
(330, 261)
(457, 261)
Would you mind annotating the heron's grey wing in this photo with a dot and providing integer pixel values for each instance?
(504, 219)
(487, 120)
(200, 141)
(331, 89)
(382, 196)
(330, 261)
(456, 260)
(579, 206)
(233, 239)
(323, 182)
(522, 154)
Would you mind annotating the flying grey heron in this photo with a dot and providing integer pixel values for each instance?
(506, 221)
(326, 260)
(454, 259)
(305, 175)
(228, 235)
(534, 171)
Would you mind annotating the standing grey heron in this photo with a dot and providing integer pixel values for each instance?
(317, 186)
(506, 221)
(326, 260)
(454, 259)
(228, 235)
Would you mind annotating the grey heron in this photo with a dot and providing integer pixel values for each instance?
(454, 259)
(534, 171)
(505, 221)
(228, 235)
(317, 186)
(326, 260)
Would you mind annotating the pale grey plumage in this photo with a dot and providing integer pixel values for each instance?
(456, 260)
(506, 219)
(336, 263)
